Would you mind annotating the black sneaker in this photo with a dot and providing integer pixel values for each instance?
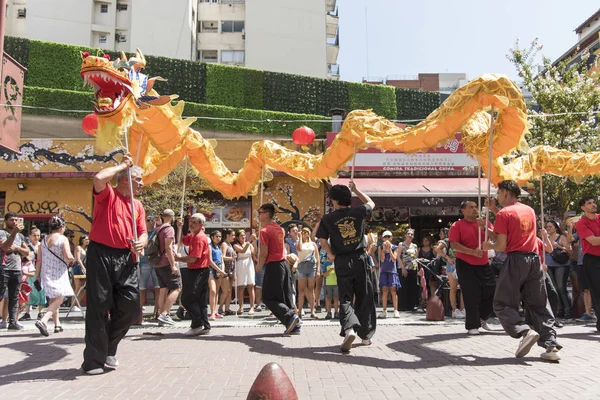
(42, 327)
(328, 316)
(15, 326)
(180, 313)
(26, 317)
(318, 309)
(336, 316)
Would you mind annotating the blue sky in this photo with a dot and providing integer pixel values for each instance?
(406, 37)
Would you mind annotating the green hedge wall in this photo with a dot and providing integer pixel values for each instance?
(416, 104)
(73, 100)
(55, 65)
(233, 86)
(381, 98)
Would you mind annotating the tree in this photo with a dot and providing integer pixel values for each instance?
(167, 194)
(570, 90)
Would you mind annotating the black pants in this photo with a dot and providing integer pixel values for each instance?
(591, 269)
(11, 281)
(408, 294)
(560, 276)
(277, 291)
(522, 277)
(355, 282)
(478, 284)
(194, 295)
(112, 301)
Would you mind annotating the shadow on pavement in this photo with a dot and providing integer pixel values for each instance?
(38, 354)
(427, 356)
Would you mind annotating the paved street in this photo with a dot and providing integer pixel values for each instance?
(410, 358)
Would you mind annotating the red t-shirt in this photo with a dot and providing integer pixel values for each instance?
(517, 222)
(465, 233)
(198, 247)
(111, 223)
(585, 228)
(273, 237)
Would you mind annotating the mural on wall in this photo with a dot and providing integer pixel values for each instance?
(293, 200)
(78, 220)
(40, 154)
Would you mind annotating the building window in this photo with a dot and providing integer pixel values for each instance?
(232, 56)
(102, 39)
(120, 38)
(209, 26)
(209, 1)
(121, 7)
(22, 13)
(232, 26)
(103, 8)
(208, 56)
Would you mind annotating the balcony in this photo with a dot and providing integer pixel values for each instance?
(333, 71)
(332, 53)
(332, 25)
(330, 5)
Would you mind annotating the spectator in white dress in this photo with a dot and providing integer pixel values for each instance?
(52, 265)
(244, 269)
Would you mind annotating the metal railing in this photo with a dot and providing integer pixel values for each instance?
(333, 69)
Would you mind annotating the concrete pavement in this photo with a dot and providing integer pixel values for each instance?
(410, 358)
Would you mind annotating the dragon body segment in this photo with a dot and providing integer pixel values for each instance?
(160, 138)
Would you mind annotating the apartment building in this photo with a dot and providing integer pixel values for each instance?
(445, 83)
(291, 36)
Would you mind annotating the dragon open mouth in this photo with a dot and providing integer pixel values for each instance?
(110, 91)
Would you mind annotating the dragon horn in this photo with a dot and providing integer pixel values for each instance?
(141, 57)
(123, 56)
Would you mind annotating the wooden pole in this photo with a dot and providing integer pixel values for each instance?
(479, 196)
(183, 186)
(353, 164)
(489, 173)
(135, 232)
(542, 215)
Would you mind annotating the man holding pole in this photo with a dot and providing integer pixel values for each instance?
(521, 276)
(345, 229)
(111, 264)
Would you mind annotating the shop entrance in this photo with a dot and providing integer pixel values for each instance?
(430, 225)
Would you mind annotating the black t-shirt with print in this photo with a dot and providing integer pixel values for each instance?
(345, 228)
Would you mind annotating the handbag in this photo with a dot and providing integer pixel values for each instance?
(560, 256)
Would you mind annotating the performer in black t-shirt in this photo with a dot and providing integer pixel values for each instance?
(345, 229)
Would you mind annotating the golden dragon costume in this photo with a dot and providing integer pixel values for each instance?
(127, 104)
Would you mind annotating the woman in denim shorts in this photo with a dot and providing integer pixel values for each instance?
(308, 269)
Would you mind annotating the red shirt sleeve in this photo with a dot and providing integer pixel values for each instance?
(501, 223)
(186, 240)
(264, 237)
(454, 235)
(583, 229)
(104, 194)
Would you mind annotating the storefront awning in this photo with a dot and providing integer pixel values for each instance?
(418, 187)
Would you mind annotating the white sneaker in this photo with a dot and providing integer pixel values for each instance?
(457, 314)
(396, 314)
(75, 309)
(473, 331)
(95, 371)
(3, 325)
(527, 342)
(348, 340)
(112, 361)
(550, 355)
(383, 315)
(484, 325)
(366, 342)
(194, 331)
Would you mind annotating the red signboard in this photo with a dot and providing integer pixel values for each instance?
(447, 157)
(11, 98)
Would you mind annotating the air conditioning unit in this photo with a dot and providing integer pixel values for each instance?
(243, 36)
(121, 7)
(120, 38)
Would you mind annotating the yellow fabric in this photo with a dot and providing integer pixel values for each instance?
(166, 138)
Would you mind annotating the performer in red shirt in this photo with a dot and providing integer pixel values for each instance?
(111, 264)
(194, 296)
(475, 275)
(521, 276)
(277, 291)
(588, 228)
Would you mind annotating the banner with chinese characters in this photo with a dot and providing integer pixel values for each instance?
(447, 157)
(233, 215)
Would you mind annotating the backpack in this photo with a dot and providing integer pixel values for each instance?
(153, 253)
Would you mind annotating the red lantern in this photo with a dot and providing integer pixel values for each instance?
(90, 124)
(303, 136)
